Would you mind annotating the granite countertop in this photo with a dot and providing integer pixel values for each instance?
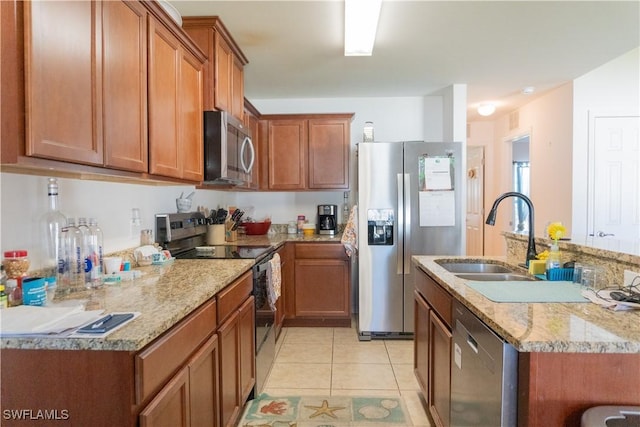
(543, 327)
(163, 295)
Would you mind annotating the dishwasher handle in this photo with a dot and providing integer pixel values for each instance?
(472, 343)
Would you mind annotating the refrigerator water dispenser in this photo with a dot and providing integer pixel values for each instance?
(380, 226)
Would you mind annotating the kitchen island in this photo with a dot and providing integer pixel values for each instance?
(571, 356)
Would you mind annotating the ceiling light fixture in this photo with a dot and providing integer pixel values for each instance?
(486, 109)
(528, 90)
(360, 24)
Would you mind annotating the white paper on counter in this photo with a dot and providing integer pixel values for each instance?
(437, 208)
(30, 320)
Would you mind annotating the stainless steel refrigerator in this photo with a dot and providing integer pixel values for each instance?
(410, 202)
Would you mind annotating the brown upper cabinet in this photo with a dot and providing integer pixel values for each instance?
(175, 97)
(94, 96)
(306, 151)
(224, 72)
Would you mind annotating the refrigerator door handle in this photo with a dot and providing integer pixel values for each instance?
(407, 225)
(400, 230)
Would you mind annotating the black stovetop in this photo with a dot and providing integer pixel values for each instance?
(226, 252)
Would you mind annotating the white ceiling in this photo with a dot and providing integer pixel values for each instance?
(295, 48)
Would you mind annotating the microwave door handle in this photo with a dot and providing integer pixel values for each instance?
(247, 169)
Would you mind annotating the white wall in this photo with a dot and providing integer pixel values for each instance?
(24, 200)
(548, 119)
(613, 88)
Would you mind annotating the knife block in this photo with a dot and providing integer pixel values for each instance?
(231, 235)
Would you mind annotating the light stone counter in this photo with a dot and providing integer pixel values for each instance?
(543, 327)
(164, 295)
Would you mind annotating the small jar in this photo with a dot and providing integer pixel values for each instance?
(14, 293)
(16, 264)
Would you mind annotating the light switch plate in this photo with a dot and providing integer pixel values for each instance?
(629, 276)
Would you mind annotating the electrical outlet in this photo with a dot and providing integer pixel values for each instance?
(629, 277)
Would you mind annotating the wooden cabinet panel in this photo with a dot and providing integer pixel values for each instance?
(204, 386)
(164, 67)
(321, 251)
(230, 403)
(320, 288)
(222, 79)
(164, 356)
(247, 337)
(439, 395)
(63, 66)
(175, 108)
(421, 342)
(125, 85)
(439, 299)
(237, 88)
(306, 151)
(190, 120)
(224, 72)
(287, 154)
(329, 149)
(170, 408)
(232, 297)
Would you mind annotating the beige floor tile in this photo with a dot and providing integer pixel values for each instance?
(343, 392)
(405, 377)
(307, 335)
(368, 352)
(400, 351)
(345, 335)
(305, 353)
(300, 375)
(284, 392)
(368, 376)
(416, 406)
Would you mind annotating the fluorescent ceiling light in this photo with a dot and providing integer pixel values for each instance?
(486, 109)
(360, 24)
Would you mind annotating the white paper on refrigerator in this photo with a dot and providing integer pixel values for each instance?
(437, 208)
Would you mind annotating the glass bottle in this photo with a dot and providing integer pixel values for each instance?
(71, 261)
(53, 221)
(96, 254)
(553, 260)
(86, 250)
(345, 208)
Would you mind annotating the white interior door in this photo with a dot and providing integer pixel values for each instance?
(615, 201)
(475, 200)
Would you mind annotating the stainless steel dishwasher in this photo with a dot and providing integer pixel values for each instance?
(484, 374)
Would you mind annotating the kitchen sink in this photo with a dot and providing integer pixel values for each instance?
(496, 277)
(475, 267)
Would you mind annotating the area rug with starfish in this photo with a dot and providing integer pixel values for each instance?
(325, 411)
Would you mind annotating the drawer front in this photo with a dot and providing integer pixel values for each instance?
(232, 297)
(320, 251)
(439, 299)
(158, 361)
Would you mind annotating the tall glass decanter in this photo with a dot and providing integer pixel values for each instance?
(52, 223)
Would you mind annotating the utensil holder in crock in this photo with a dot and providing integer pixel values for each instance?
(215, 234)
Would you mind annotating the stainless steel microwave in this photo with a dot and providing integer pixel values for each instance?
(229, 154)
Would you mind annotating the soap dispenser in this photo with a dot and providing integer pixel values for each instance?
(553, 260)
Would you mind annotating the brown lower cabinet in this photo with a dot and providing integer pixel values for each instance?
(432, 350)
(198, 373)
(320, 292)
(554, 389)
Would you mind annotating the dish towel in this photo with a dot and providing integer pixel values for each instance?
(274, 281)
(350, 235)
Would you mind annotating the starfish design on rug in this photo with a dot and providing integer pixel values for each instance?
(324, 409)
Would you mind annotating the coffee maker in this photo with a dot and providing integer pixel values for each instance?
(327, 219)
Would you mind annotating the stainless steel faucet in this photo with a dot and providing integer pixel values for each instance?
(491, 220)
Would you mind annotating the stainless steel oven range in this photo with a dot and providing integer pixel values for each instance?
(185, 236)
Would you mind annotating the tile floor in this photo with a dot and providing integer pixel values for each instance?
(332, 361)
